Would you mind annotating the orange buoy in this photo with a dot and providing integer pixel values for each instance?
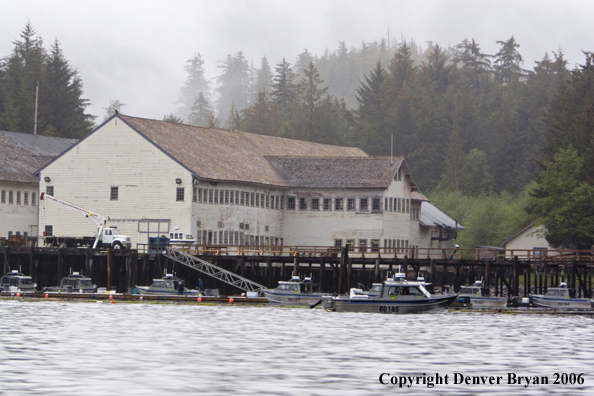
(199, 299)
(46, 295)
(113, 301)
(110, 297)
(231, 300)
(18, 294)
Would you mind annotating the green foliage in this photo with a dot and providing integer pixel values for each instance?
(30, 70)
(194, 87)
(488, 219)
(564, 201)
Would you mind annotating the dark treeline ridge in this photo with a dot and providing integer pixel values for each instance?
(479, 130)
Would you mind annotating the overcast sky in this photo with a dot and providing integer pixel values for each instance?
(135, 51)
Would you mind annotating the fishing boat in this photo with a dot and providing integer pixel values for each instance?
(295, 291)
(167, 285)
(477, 296)
(14, 281)
(397, 296)
(560, 298)
(74, 283)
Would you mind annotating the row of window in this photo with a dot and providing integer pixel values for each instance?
(25, 233)
(17, 197)
(362, 245)
(223, 237)
(261, 200)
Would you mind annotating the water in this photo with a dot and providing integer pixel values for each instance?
(67, 348)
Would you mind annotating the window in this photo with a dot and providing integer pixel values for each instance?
(338, 243)
(257, 200)
(49, 190)
(282, 201)
(241, 226)
(195, 194)
(399, 207)
(252, 199)
(414, 214)
(261, 200)
(226, 198)
(351, 245)
(247, 226)
(209, 195)
(362, 245)
(290, 203)
(3, 196)
(302, 204)
(375, 245)
(242, 202)
(26, 197)
(398, 176)
(220, 224)
(236, 197)
(375, 204)
(216, 196)
(351, 204)
(266, 228)
(407, 205)
(386, 204)
(327, 204)
(10, 201)
(391, 204)
(232, 197)
(33, 198)
(18, 198)
(364, 204)
(338, 204)
(25, 234)
(315, 204)
(267, 201)
(49, 230)
(179, 196)
(113, 196)
(198, 224)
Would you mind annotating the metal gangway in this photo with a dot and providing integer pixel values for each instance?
(212, 270)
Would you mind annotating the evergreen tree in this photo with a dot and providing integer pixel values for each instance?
(195, 85)
(263, 117)
(283, 89)
(233, 119)
(201, 112)
(234, 84)
(264, 78)
(508, 61)
(61, 107)
(173, 118)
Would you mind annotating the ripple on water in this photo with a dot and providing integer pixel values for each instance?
(154, 349)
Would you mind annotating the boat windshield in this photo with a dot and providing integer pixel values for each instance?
(557, 292)
(376, 288)
(26, 281)
(470, 290)
(86, 282)
(287, 286)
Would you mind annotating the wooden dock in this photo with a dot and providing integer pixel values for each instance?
(515, 273)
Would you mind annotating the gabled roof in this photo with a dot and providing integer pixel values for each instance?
(337, 172)
(220, 154)
(433, 217)
(21, 154)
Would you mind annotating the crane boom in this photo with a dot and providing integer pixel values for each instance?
(98, 219)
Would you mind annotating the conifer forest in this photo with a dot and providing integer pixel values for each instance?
(494, 143)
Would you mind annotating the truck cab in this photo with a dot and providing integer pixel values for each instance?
(112, 238)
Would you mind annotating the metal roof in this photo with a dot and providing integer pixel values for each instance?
(433, 217)
(21, 154)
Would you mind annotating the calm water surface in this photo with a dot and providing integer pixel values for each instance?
(66, 348)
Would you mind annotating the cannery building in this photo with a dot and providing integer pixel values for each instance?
(227, 187)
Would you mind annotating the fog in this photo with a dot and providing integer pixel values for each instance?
(135, 51)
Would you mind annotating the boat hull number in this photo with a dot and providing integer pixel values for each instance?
(388, 309)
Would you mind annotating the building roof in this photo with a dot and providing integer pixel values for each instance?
(338, 172)
(21, 154)
(220, 154)
(433, 217)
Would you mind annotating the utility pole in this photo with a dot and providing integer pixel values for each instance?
(36, 97)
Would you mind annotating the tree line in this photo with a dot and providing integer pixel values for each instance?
(484, 136)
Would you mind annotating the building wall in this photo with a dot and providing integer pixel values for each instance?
(115, 156)
(527, 240)
(18, 215)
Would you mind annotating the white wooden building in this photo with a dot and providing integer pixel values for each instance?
(233, 188)
(21, 155)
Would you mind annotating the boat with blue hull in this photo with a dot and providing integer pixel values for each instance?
(477, 296)
(296, 291)
(397, 296)
(560, 298)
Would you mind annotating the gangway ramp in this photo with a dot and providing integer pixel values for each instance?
(212, 270)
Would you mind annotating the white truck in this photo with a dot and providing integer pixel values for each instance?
(109, 237)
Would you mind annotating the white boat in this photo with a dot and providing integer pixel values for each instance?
(167, 285)
(477, 296)
(294, 292)
(397, 296)
(560, 298)
(14, 281)
(74, 283)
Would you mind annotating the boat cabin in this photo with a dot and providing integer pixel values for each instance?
(15, 281)
(178, 237)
